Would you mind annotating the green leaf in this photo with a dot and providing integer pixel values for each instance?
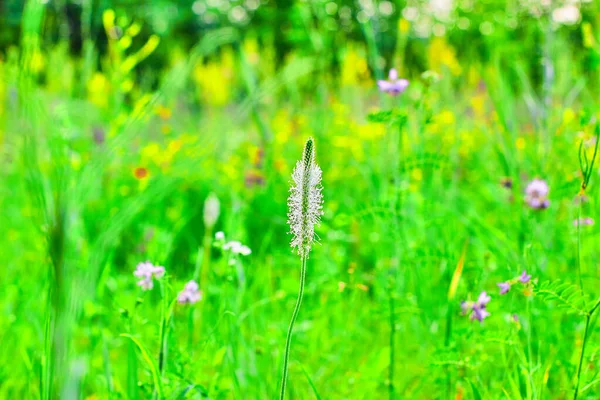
(380, 116)
(566, 296)
(153, 368)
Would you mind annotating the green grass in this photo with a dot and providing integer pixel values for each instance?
(413, 198)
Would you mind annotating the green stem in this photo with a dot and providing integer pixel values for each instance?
(392, 334)
(579, 244)
(585, 336)
(288, 340)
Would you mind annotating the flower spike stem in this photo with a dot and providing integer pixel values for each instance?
(288, 340)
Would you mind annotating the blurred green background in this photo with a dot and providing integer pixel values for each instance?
(119, 118)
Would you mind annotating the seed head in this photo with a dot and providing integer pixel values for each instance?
(306, 201)
(212, 209)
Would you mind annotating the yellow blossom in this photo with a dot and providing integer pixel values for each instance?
(441, 54)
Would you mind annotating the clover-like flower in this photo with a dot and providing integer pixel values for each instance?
(393, 85)
(237, 248)
(478, 308)
(190, 293)
(504, 287)
(536, 194)
(524, 278)
(148, 272)
(583, 222)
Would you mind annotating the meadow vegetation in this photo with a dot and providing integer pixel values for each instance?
(146, 161)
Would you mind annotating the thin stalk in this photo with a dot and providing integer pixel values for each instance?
(447, 338)
(579, 244)
(585, 336)
(392, 303)
(288, 340)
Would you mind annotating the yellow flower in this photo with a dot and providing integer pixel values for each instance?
(98, 89)
(403, 25)
(355, 68)
(441, 54)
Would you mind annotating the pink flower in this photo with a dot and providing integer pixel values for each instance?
(190, 294)
(536, 194)
(393, 85)
(147, 272)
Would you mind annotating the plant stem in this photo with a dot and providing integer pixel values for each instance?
(579, 244)
(288, 340)
(392, 334)
(585, 336)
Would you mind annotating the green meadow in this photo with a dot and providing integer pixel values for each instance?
(176, 176)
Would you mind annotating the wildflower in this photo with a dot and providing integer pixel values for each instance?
(305, 201)
(566, 15)
(147, 272)
(237, 248)
(478, 308)
(536, 194)
(219, 236)
(504, 287)
(524, 278)
(190, 294)
(254, 178)
(305, 209)
(583, 222)
(393, 85)
(140, 172)
(211, 210)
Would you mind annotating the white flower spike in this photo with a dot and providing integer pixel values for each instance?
(306, 201)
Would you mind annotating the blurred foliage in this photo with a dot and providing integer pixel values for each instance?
(118, 118)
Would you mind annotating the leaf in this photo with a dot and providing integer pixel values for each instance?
(311, 383)
(476, 394)
(153, 369)
(566, 295)
(197, 388)
(380, 116)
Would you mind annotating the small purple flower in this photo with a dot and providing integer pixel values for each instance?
(524, 278)
(479, 313)
(478, 308)
(393, 85)
(190, 294)
(583, 222)
(147, 272)
(504, 287)
(536, 194)
(483, 299)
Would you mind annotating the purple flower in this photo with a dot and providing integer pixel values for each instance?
(483, 299)
(190, 294)
(393, 85)
(504, 287)
(536, 194)
(147, 272)
(478, 308)
(524, 278)
(583, 222)
(479, 313)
